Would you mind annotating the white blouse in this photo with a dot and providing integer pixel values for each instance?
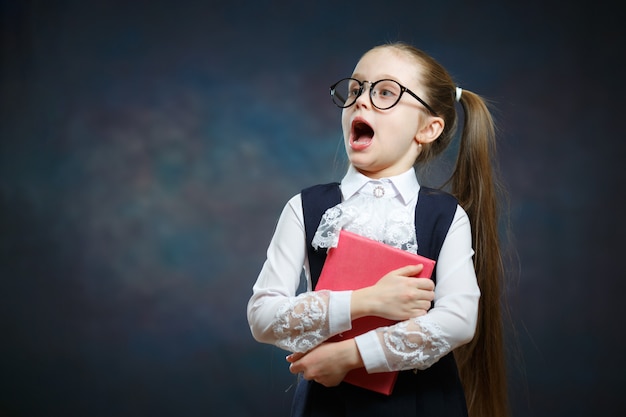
(298, 323)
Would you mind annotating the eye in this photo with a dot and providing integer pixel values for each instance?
(386, 93)
(387, 90)
(353, 89)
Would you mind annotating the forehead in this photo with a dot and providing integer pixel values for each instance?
(388, 63)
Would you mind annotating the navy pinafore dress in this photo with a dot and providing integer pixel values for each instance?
(434, 392)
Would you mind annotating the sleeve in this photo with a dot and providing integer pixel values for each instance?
(277, 315)
(420, 342)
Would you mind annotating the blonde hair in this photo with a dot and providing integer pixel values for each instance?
(473, 182)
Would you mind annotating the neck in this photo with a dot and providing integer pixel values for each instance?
(376, 175)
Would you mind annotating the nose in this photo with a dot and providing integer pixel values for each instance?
(364, 97)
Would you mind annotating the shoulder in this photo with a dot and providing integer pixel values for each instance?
(321, 194)
(437, 196)
(292, 209)
(311, 195)
(295, 201)
(321, 188)
(445, 200)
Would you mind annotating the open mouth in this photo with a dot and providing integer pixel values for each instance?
(362, 133)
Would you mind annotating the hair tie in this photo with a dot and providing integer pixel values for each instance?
(459, 91)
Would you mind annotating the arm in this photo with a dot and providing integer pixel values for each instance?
(275, 314)
(420, 342)
(397, 296)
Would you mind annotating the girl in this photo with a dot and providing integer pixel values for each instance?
(398, 110)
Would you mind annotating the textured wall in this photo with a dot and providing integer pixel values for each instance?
(147, 149)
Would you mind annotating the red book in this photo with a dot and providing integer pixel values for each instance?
(359, 262)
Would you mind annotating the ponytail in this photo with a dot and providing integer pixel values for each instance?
(481, 362)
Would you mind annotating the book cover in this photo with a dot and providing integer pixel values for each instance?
(359, 262)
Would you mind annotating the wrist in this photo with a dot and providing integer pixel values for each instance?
(360, 306)
(351, 355)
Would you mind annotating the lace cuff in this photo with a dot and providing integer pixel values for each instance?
(413, 344)
(302, 322)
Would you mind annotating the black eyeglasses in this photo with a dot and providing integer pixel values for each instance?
(384, 94)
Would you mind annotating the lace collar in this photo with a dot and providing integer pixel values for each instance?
(383, 210)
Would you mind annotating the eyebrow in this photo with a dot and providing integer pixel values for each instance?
(383, 77)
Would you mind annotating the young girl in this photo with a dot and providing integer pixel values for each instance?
(398, 110)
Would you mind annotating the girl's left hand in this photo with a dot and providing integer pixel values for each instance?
(328, 363)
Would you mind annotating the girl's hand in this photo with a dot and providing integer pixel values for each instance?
(396, 296)
(328, 363)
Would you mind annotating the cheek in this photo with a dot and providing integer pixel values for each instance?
(409, 124)
(345, 123)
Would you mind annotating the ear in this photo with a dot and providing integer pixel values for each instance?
(431, 130)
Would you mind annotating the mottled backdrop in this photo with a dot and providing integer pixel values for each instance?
(147, 148)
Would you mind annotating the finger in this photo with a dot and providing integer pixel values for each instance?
(419, 313)
(409, 270)
(423, 305)
(294, 357)
(424, 284)
(295, 368)
(422, 295)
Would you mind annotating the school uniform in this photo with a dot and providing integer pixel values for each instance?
(428, 384)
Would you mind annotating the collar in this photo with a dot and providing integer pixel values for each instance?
(406, 184)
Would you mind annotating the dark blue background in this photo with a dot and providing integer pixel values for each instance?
(148, 147)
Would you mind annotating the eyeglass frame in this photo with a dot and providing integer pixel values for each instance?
(403, 89)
